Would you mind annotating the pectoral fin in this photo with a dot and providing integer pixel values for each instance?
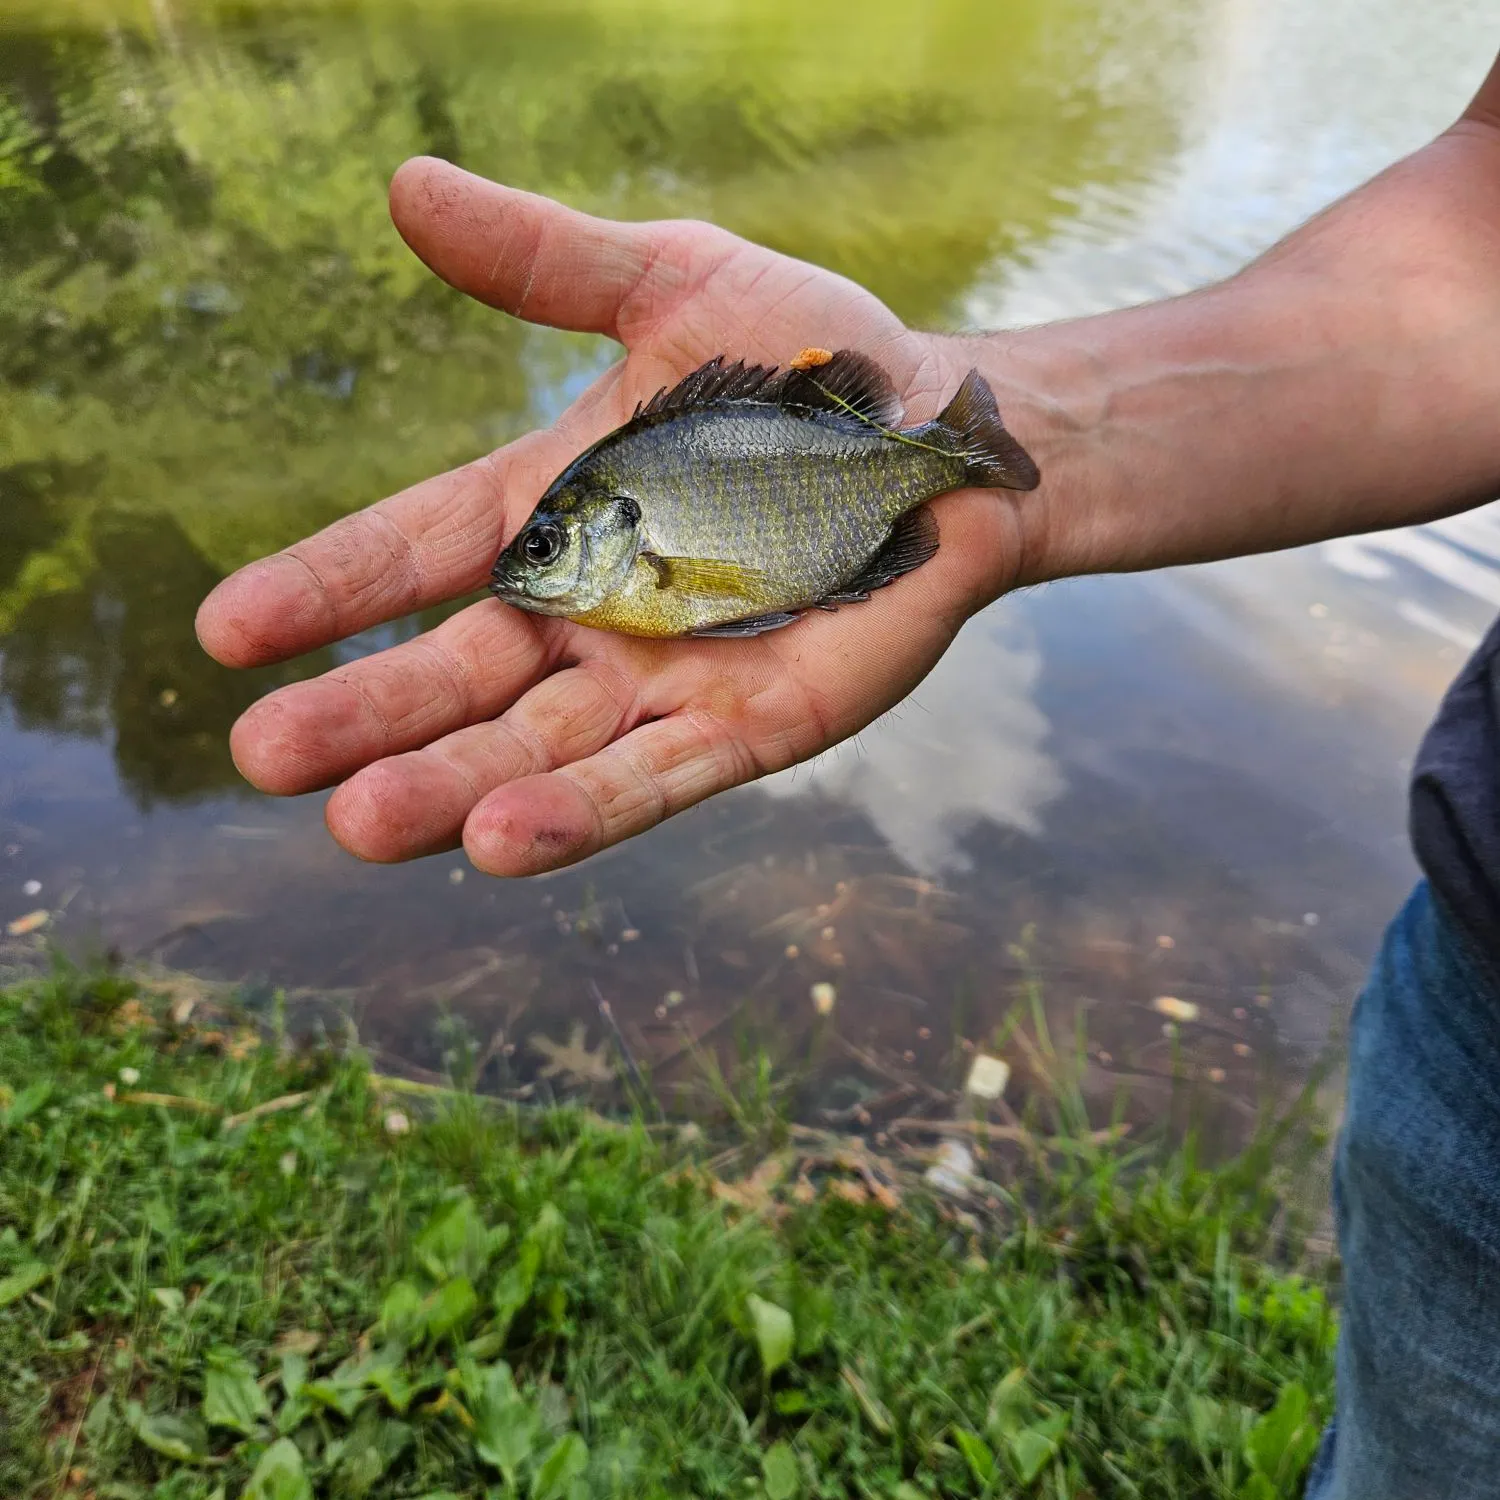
(711, 578)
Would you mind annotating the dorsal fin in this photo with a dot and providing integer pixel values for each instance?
(715, 381)
(848, 382)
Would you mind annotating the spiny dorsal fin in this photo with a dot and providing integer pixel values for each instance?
(848, 382)
(715, 381)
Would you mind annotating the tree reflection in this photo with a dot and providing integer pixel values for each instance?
(118, 655)
(211, 341)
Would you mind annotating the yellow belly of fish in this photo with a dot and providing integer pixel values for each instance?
(643, 607)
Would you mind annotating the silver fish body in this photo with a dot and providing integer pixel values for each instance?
(742, 497)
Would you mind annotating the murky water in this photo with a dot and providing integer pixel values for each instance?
(211, 341)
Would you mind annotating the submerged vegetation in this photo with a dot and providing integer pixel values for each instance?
(231, 1266)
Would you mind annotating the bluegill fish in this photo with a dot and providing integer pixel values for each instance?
(744, 496)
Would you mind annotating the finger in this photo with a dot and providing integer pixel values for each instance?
(542, 822)
(469, 668)
(417, 803)
(432, 542)
(538, 260)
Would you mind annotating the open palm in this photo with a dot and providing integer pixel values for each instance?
(534, 741)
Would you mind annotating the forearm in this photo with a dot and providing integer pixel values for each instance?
(1347, 381)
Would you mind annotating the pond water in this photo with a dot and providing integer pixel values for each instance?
(211, 341)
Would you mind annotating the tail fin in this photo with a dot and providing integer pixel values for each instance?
(995, 460)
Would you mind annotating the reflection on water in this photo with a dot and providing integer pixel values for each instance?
(969, 748)
(211, 341)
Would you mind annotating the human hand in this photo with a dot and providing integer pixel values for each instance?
(534, 741)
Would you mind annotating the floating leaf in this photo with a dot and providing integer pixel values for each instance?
(773, 1332)
(279, 1475)
(782, 1475)
(231, 1398)
(173, 1436)
(568, 1458)
(169, 1298)
(24, 1279)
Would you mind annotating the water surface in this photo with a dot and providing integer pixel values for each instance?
(211, 341)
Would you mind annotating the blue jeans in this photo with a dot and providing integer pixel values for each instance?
(1417, 1190)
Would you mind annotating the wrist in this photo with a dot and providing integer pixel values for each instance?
(1047, 383)
(1345, 382)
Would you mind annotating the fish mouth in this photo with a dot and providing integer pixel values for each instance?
(506, 593)
(509, 592)
(503, 589)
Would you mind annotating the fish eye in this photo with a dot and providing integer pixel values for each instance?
(542, 543)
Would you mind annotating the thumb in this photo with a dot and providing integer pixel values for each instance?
(526, 254)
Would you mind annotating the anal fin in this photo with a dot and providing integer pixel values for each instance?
(755, 625)
(913, 540)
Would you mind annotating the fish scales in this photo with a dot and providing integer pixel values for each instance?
(742, 497)
(811, 500)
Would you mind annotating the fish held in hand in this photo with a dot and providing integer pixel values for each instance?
(744, 496)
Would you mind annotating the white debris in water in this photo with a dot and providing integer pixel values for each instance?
(987, 1076)
(1177, 1010)
(288, 1164)
(824, 997)
(951, 1172)
(456, 875)
(396, 1123)
(32, 888)
(130, 1077)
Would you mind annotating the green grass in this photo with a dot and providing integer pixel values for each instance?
(550, 1304)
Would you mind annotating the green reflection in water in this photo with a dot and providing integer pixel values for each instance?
(211, 340)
